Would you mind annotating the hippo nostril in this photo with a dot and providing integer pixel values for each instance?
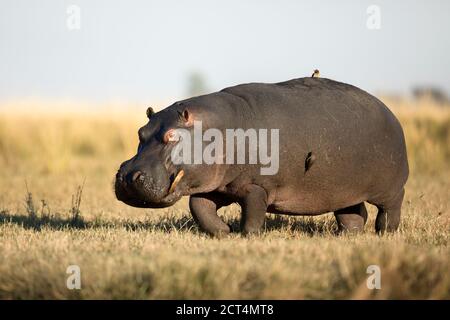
(138, 175)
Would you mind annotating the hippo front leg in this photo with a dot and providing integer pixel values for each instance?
(204, 211)
(254, 207)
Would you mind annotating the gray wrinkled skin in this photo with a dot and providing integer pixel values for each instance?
(339, 147)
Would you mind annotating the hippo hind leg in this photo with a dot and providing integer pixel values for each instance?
(351, 219)
(389, 209)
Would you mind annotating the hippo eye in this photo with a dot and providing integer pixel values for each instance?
(171, 136)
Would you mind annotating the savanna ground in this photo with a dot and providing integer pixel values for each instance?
(125, 252)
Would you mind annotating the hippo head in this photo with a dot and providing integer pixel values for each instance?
(150, 179)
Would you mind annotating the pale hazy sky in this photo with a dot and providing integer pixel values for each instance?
(144, 50)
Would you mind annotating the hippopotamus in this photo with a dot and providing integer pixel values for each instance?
(338, 147)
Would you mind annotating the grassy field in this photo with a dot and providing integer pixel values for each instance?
(125, 252)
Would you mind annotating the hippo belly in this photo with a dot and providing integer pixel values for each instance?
(356, 144)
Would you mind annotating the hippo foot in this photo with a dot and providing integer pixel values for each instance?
(351, 219)
(218, 234)
(389, 210)
(249, 233)
(219, 230)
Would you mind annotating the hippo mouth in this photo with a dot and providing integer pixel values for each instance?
(140, 197)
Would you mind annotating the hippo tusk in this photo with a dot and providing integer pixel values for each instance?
(176, 180)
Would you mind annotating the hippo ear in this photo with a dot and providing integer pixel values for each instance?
(186, 117)
(150, 112)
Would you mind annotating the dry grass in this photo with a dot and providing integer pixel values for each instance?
(125, 252)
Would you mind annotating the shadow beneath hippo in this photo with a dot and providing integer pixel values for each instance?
(292, 224)
(309, 225)
(186, 223)
(37, 223)
(56, 222)
(166, 224)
